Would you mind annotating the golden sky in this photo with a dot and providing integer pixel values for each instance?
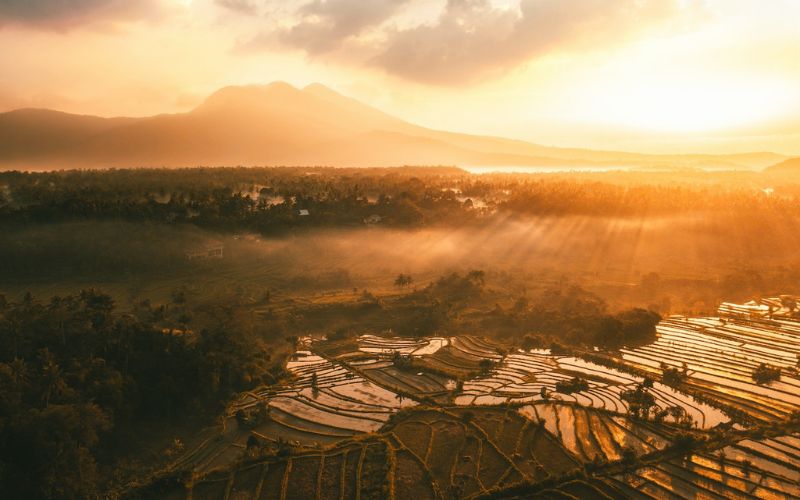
(637, 75)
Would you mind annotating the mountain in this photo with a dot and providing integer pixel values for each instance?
(278, 124)
(790, 166)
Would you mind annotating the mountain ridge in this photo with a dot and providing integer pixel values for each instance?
(279, 124)
(788, 166)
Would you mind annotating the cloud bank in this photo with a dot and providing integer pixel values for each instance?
(470, 39)
(325, 24)
(62, 14)
(241, 6)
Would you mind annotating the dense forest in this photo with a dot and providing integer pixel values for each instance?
(115, 221)
(79, 381)
(457, 303)
(270, 200)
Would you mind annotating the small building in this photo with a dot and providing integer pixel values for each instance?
(208, 251)
(303, 212)
(373, 220)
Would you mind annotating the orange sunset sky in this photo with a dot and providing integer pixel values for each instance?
(639, 75)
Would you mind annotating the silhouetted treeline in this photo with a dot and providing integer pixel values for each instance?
(274, 199)
(456, 303)
(581, 317)
(76, 378)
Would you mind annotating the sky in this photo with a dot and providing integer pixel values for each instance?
(659, 76)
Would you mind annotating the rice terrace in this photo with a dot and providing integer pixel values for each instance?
(464, 417)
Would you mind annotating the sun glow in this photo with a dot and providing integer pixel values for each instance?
(687, 105)
(725, 77)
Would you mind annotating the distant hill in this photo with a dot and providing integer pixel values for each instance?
(278, 124)
(790, 166)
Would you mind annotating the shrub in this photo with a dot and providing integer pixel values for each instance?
(763, 374)
(340, 334)
(402, 361)
(639, 400)
(575, 384)
(531, 342)
(672, 376)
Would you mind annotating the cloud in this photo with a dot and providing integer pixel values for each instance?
(322, 26)
(473, 39)
(62, 14)
(241, 6)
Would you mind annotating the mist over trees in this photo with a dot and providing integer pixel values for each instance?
(268, 200)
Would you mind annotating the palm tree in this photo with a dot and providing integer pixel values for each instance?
(403, 280)
(53, 382)
(19, 373)
(477, 276)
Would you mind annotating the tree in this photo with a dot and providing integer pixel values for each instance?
(764, 374)
(477, 276)
(241, 418)
(640, 401)
(486, 365)
(262, 412)
(19, 374)
(673, 376)
(403, 280)
(746, 466)
(253, 443)
(684, 442)
(628, 457)
(638, 326)
(531, 342)
(402, 361)
(575, 384)
(52, 380)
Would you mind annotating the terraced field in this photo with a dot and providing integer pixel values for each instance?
(721, 354)
(382, 417)
(462, 357)
(388, 346)
(766, 468)
(598, 436)
(339, 403)
(425, 454)
(521, 377)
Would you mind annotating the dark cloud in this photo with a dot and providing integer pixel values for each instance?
(241, 6)
(472, 38)
(67, 13)
(325, 24)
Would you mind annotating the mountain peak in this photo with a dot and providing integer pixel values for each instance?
(237, 96)
(319, 89)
